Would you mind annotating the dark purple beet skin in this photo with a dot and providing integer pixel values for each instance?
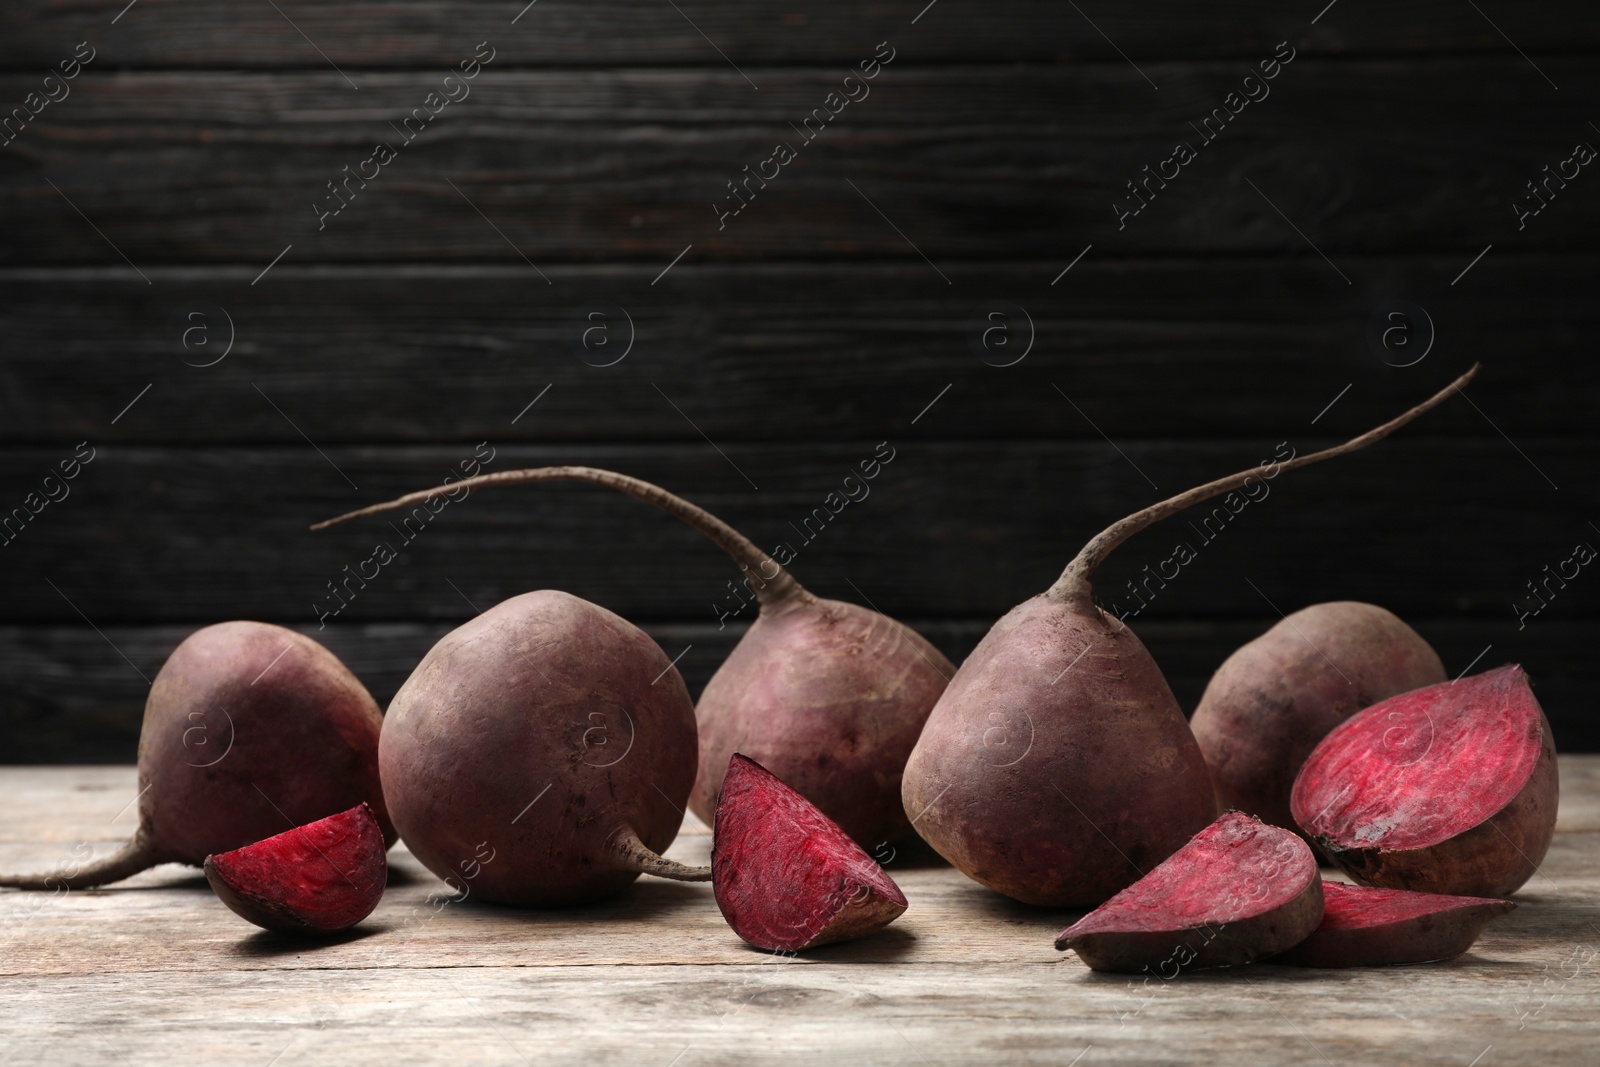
(1369, 927)
(1270, 702)
(829, 695)
(250, 729)
(1448, 789)
(1056, 766)
(541, 753)
(786, 876)
(1239, 891)
(1012, 779)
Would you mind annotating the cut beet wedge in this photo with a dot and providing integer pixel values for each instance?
(1364, 926)
(1240, 890)
(1447, 789)
(784, 874)
(319, 878)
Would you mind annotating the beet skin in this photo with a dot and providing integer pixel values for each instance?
(1239, 891)
(785, 875)
(1271, 701)
(249, 730)
(540, 754)
(1368, 927)
(320, 878)
(1448, 789)
(828, 695)
(1056, 766)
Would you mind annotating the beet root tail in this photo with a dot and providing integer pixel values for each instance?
(639, 857)
(126, 862)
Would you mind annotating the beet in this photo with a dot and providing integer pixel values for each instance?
(319, 878)
(1271, 701)
(1057, 766)
(1240, 890)
(544, 750)
(829, 695)
(785, 875)
(1367, 927)
(1448, 789)
(250, 729)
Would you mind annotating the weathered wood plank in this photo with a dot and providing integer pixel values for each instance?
(945, 530)
(368, 34)
(428, 353)
(70, 697)
(130, 973)
(967, 162)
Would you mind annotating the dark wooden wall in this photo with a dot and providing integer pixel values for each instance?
(142, 211)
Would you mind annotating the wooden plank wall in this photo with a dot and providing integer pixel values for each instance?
(247, 338)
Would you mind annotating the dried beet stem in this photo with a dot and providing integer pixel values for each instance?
(129, 860)
(770, 591)
(640, 858)
(1073, 585)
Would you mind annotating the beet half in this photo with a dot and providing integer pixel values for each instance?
(1448, 789)
(1057, 766)
(1368, 927)
(250, 729)
(1239, 891)
(319, 878)
(785, 875)
(1270, 702)
(542, 751)
(830, 695)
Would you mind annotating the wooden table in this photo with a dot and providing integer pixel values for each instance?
(156, 971)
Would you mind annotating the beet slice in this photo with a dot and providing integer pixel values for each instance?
(1238, 891)
(319, 878)
(1364, 926)
(785, 875)
(1447, 789)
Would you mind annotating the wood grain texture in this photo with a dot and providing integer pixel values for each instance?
(967, 162)
(368, 34)
(71, 697)
(130, 971)
(431, 353)
(948, 530)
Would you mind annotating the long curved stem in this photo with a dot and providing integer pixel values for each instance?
(640, 857)
(771, 583)
(129, 860)
(1074, 581)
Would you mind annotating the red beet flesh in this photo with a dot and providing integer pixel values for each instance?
(319, 878)
(785, 875)
(1269, 704)
(1368, 927)
(1448, 789)
(1238, 891)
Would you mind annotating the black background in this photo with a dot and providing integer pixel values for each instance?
(1233, 313)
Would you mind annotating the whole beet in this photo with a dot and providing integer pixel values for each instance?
(249, 730)
(1057, 767)
(828, 695)
(540, 754)
(1272, 700)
